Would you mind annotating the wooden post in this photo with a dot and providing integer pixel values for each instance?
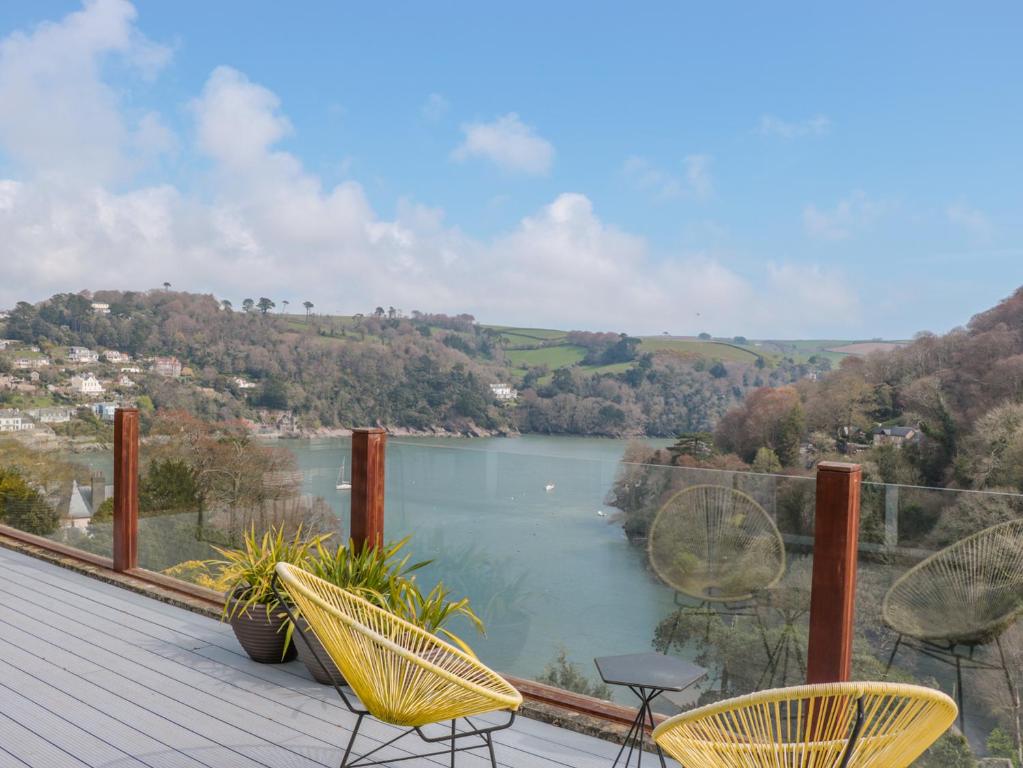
(368, 447)
(833, 594)
(126, 488)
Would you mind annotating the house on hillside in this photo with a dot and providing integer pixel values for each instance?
(503, 392)
(13, 420)
(897, 436)
(124, 381)
(54, 415)
(113, 356)
(167, 366)
(100, 308)
(87, 385)
(30, 363)
(241, 383)
(82, 355)
(5, 343)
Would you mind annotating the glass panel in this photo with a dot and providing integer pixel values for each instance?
(550, 540)
(941, 585)
(57, 494)
(204, 485)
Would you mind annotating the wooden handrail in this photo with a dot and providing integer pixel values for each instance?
(126, 489)
(367, 513)
(833, 591)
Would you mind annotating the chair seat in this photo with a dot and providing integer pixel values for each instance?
(881, 725)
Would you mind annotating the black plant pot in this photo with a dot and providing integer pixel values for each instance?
(332, 675)
(263, 637)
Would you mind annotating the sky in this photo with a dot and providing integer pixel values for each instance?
(796, 170)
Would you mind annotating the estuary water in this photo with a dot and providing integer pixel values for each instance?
(521, 526)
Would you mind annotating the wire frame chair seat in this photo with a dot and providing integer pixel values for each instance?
(840, 725)
(715, 544)
(401, 673)
(966, 594)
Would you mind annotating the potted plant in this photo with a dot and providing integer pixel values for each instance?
(385, 578)
(255, 615)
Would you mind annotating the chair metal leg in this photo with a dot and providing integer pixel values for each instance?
(452, 744)
(891, 659)
(351, 741)
(1013, 697)
(490, 746)
(959, 695)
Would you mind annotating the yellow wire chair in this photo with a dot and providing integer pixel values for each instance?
(836, 725)
(401, 674)
(718, 546)
(963, 596)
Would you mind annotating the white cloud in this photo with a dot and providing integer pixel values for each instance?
(261, 224)
(508, 143)
(976, 223)
(57, 115)
(769, 125)
(694, 180)
(435, 107)
(848, 217)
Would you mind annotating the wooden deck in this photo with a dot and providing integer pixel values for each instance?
(95, 675)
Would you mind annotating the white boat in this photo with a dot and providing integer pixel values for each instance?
(549, 487)
(342, 484)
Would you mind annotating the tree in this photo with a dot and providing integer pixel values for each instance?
(308, 308)
(166, 286)
(285, 302)
(248, 305)
(168, 486)
(226, 304)
(265, 304)
(718, 370)
(23, 507)
(766, 461)
(704, 336)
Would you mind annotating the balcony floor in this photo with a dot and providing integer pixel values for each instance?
(95, 675)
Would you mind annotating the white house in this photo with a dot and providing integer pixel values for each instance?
(503, 392)
(55, 415)
(167, 366)
(113, 356)
(124, 381)
(100, 308)
(30, 363)
(242, 383)
(13, 420)
(5, 343)
(82, 355)
(131, 369)
(86, 385)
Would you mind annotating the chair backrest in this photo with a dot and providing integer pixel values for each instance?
(966, 593)
(401, 673)
(715, 543)
(841, 725)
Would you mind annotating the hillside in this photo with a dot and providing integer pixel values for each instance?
(290, 373)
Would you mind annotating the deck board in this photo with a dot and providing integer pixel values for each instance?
(95, 675)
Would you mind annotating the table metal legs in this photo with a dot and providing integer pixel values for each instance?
(637, 733)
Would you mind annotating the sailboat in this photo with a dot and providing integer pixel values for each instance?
(342, 484)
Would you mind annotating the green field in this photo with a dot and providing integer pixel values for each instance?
(552, 357)
(710, 350)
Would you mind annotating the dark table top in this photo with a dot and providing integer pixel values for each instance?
(649, 670)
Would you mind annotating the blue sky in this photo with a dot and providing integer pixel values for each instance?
(804, 170)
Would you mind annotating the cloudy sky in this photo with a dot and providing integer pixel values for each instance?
(796, 171)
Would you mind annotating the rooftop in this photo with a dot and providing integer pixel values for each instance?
(96, 675)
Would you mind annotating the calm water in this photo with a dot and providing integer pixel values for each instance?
(542, 567)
